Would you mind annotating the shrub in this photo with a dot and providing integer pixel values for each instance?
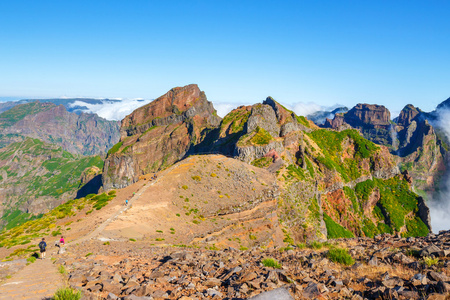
(67, 293)
(270, 262)
(31, 259)
(106, 243)
(89, 254)
(262, 137)
(429, 261)
(341, 256)
(132, 240)
(196, 178)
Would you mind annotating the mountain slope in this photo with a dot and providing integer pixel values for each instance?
(35, 177)
(85, 134)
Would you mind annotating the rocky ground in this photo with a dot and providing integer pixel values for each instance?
(386, 267)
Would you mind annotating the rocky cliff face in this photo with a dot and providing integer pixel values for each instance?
(158, 134)
(419, 148)
(85, 134)
(410, 137)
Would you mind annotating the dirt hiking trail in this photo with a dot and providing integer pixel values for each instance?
(37, 281)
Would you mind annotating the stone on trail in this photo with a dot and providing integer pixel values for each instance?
(278, 294)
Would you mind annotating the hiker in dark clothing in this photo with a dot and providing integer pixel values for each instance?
(42, 246)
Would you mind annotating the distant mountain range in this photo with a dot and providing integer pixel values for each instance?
(68, 103)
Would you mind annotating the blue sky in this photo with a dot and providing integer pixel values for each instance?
(384, 52)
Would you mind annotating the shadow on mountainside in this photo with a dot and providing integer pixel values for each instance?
(92, 187)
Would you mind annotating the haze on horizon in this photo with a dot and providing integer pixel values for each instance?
(327, 52)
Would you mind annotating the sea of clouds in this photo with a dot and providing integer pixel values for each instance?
(112, 110)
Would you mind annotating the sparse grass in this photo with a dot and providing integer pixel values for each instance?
(62, 270)
(242, 248)
(67, 293)
(340, 255)
(132, 240)
(159, 231)
(89, 254)
(159, 239)
(184, 187)
(316, 245)
(106, 243)
(213, 247)
(271, 263)
(31, 259)
(301, 245)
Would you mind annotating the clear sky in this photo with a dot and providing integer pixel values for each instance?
(385, 52)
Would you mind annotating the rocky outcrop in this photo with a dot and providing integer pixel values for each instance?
(371, 115)
(85, 134)
(158, 134)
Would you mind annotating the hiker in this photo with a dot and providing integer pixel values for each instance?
(42, 246)
(126, 202)
(62, 242)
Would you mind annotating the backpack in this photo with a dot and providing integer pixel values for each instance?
(42, 245)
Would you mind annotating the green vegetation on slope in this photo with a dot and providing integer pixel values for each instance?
(330, 143)
(397, 203)
(235, 120)
(33, 229)
(334, 230)
(59, 173)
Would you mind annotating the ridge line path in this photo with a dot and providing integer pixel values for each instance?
(102, 226)
(37, 281)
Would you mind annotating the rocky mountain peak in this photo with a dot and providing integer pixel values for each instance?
(368, 114)
(177, 105)
(444, 104)
(408, 113)
(158, 134)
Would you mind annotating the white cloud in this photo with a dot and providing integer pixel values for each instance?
(224, 108)
(112, 110)
(304, 109)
